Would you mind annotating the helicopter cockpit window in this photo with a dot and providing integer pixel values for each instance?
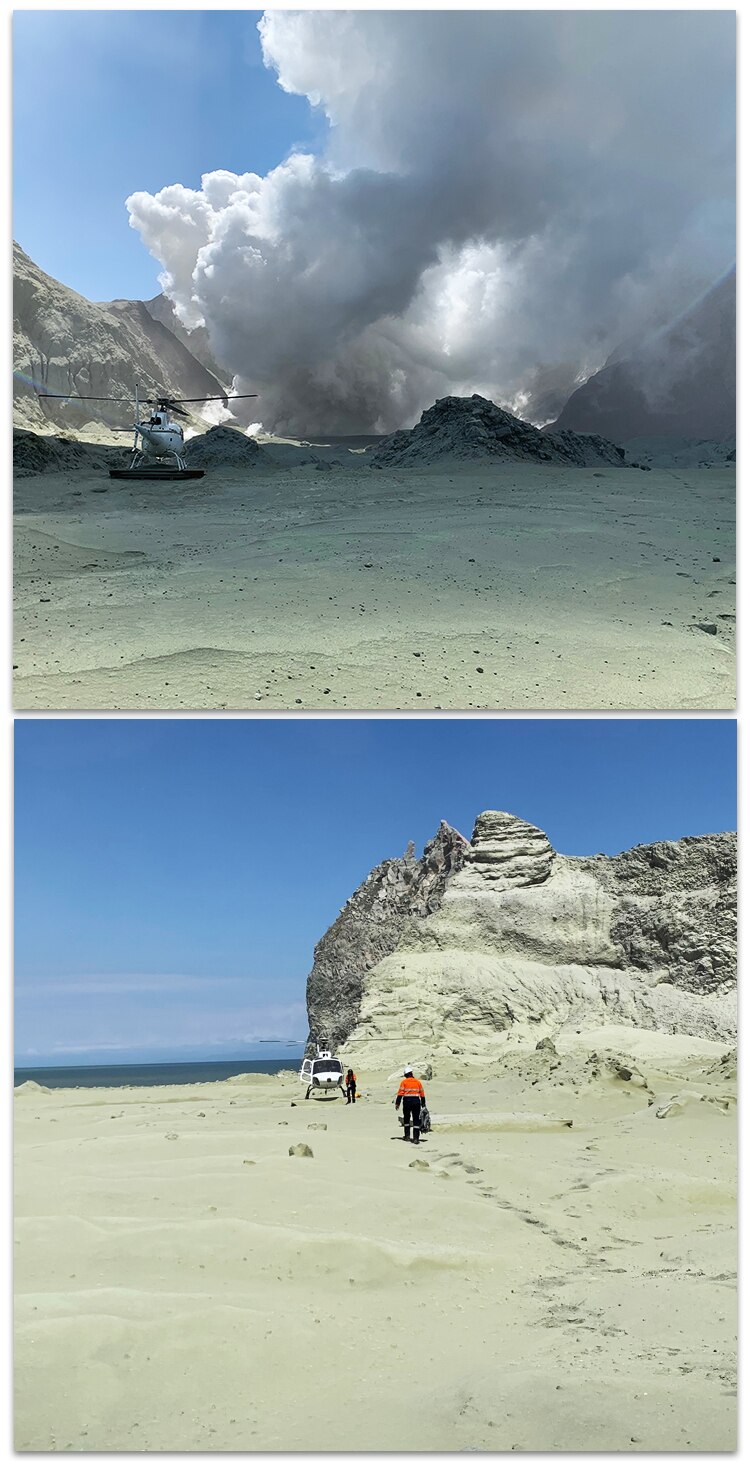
(327, 1065)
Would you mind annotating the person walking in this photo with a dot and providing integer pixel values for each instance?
(412, 1093)
(351, 1086)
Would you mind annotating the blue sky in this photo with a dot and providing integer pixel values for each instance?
(172, 877)
(109, 102)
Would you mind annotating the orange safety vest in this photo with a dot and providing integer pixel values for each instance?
(353, 1079)
(410, 1086)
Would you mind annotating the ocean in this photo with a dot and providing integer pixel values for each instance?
(143, 1075)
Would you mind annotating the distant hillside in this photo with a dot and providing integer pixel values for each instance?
(679, 383)
(196, 341)
(65, 343)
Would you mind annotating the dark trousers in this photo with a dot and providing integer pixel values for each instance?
(412, 1111)
(351, 1093)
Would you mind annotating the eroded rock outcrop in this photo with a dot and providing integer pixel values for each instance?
(369, 928)
(448, 955)
(472, 428)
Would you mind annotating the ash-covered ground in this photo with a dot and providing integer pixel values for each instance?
(297, 576)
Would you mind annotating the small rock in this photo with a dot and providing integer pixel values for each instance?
(419, 1164)
(303, 1152)
(546, 1045)
(317, 1126)
(171, 1135)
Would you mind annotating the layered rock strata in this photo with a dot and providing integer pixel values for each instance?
(453, 954)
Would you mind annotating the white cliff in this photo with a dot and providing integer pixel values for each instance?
(523, 943)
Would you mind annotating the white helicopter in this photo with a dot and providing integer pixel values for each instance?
(159, 453)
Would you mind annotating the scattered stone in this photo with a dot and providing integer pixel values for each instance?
(302, 1152)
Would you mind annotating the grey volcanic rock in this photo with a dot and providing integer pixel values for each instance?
(226, 447)
(65, 343)
(471, 428)
(679, 383)
(37, 453)
(677, 910)
(449, 955)
(369, 927)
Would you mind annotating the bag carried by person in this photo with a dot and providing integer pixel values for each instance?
(425, 1123)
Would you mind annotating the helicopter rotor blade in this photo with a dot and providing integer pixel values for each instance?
(79, 397)
(166, 404)
(239, 397)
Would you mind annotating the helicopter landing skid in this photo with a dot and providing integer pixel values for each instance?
(156, 473)
(143, 466)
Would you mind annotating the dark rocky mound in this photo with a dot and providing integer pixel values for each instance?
(472, 428)
(35, 453)
(225, 447)
(680, 382)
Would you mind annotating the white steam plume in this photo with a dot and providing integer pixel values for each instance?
(503, 197)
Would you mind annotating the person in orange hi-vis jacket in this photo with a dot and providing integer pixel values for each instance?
(412, 1093)
(351, 1086)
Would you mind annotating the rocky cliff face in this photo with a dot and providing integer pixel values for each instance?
(472, 428)
(447, 956)
(369, 928)
(65, 343)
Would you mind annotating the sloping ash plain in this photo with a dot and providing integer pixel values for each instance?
(553, 1269)
(306, 576)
